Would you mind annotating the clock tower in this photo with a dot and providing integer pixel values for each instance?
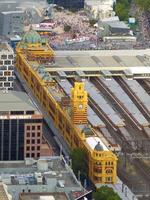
(79, 104)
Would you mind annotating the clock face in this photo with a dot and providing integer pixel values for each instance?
(80, 106)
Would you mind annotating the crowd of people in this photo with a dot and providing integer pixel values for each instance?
(80, 28)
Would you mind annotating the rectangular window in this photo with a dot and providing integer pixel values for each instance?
(28, 134)
(33, 148)
(39, 134)
(28, 148)
(28, 141)
(33, 141)
(32, 155)
(27, 155)
(38, 141)
(33, 134)
(38, 148)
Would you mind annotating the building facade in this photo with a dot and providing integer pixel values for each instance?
(6, 67)
(11, 22)
(47, 92)
(79, 104)
(20, 127)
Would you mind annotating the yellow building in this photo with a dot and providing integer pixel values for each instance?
(79, 104)
(34, 57)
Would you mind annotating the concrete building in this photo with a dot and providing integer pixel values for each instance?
(3, 192)
(99, 9)
(110, 27)
(11, 22)
(44, 177)
(8, 5)
(20, 127)
(6, 67)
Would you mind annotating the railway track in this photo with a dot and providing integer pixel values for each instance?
(124, 136)
(116, 101)
(145, 85)
(134, 97)
(141, 130)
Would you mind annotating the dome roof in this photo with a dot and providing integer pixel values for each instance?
(32, 37)
(98, 147)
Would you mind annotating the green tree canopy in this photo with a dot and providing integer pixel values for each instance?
(92, 22)
(78, 157)
(122, 8)
(105, 193)
(144, 4)
(67, 28)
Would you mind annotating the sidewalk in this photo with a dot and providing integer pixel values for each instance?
(123, 191)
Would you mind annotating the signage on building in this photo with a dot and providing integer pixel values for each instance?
(16, 117)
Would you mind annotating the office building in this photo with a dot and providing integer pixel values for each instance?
(11, 22)
(54, 180)
(20, 127)
(6, 67)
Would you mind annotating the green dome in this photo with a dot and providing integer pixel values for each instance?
(32, 37)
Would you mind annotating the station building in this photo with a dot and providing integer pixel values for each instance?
(20, 127)
(6, 67)
(34, 59)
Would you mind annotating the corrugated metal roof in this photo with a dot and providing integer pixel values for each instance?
(140, 92)
(102, 103)
(126, 101)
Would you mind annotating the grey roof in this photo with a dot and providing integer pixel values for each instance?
(125, 100)
(15, 101)
(139, 92)
(117, 24)
(103, 104)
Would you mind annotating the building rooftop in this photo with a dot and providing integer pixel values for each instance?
(15, 101)
(94, 141)
(12, 12)
(117, 24)
(4, 47)
(43, 196)
(3, 193)
(54, 168)
(46, 175)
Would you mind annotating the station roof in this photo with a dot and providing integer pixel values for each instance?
(139, 70)
(98, 60)
(15, 101)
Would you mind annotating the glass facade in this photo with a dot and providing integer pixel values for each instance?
(12, 138)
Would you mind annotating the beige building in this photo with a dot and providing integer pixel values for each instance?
(99, 9)
(4, 195)
(6, 67)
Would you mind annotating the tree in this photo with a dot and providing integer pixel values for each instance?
(92, 22)
(105, 193)
(144, 4)
(78, 157)
(67, 28)
(121, 11)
